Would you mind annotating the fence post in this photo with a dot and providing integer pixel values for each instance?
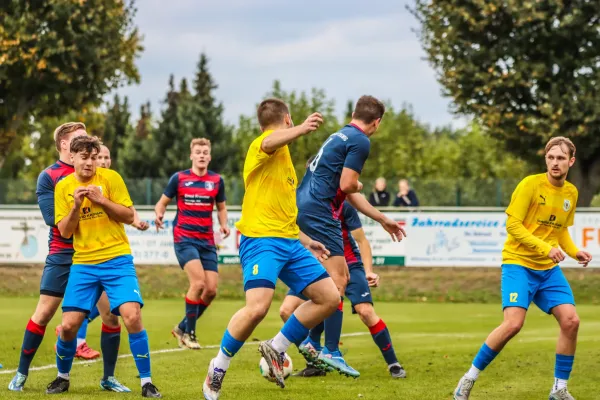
(498, 192)
(458, 194)
(148, 191)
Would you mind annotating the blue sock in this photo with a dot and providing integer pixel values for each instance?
(65, 353)
(138, 343)
(110, 339)
(183, 324)
(333, 328)
(93, 314)
(484, 357)
(82, 332)
(381, 337)
(315, 333)
(230, 345)
(34, 334)
(294, 331)
(202, 306)
(191, 315)
(563, 366)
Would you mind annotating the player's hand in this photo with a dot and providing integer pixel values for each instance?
(78, 196)
(394, 229)
(359, 187)
(225, 231)
(312, 123)
(556, 255)
(584, 258)
(373, 279)
(318, 250)
(95, 195)
(140, 225)
(158, 221)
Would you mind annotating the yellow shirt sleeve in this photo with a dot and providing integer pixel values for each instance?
(571, 216)
(566, 243)
(516, 229)
(520, 200)
(61, 205)
(118, 192)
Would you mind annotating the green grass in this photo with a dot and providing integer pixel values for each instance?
(435, 342)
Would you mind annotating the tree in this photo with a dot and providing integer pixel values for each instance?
(57, 55)
(117, 127)
(527, 70)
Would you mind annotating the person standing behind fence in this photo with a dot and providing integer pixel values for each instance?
(380, 197)
(406, 197)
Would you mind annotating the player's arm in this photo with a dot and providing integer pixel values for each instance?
(118, 205)
(363, 205)
(318, 249)
(137, 222)
(566, 243)
(358, 152)
(161, 206)
(283, 137)
(517, 230)
(115, 211)
(45, 196)
(222, 209)
(67, 218)
(366, 254)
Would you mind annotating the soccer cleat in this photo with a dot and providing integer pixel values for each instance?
(178, 334)
(57, 386)
(17, 383)
(397, 371)
(310, 372)
(310, 352)
(113, 385)
(149, 390)
(463, 390)
(275, 361)
(189, 340)
(562, 394)
(213, 382)
(337, 362)
(84, 352)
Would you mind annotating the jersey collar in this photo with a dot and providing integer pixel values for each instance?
(357, 127)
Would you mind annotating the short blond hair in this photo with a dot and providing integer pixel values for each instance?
(199, 142)
(559, 141)
(65, 129)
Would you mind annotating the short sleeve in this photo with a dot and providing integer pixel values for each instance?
(118, 192)
(61, 203)
(221, 193)
(171, 189)
(521, 200)
(358, 152)
(351, 218)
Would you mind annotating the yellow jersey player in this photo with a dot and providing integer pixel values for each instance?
(273, 247)
(541, 210)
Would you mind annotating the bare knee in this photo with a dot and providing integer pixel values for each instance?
(132, 317)
(110, 320)
(570, 324)
(513, 326)
(285, 312)
(209, 294)
(43, 315)
(257, 312)
(366, 313)
(197, 286)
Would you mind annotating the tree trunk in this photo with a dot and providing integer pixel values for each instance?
(8, 132)
(585, 175)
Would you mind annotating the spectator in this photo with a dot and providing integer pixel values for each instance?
(379, 197)
(406, 197)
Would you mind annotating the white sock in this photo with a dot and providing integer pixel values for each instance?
(146, 380)
(394, 365)
(80, 342)
(280, 343)
(559, 384)
(222, 361)
(473, 373)
(64, 376)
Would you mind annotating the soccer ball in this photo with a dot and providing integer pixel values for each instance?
(264, 368)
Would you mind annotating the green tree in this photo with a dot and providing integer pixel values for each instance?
(117, 127)
(527, 70)
(57, 55)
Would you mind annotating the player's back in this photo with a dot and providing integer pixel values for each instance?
(60, 250)
(319, 192)
(350, 222)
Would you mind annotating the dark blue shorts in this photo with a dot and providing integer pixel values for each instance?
(324, 229)
(54, 279)
(187, 251)
(547, 289)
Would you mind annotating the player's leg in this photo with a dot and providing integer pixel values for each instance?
(518, 288)
(556, 297)
(52, 289)
(83, 350)
(124, 295)
(210, 264)
(188, 256)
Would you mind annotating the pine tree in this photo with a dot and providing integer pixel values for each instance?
(116, 128)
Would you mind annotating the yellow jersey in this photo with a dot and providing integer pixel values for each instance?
(97, 237)
(545, 211)
(269, 206)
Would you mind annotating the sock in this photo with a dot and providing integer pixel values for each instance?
(145, 380)
(229, 347)
(191, 315)
(82, 332)
(381, 337)
(292, 332)
(183, 324)
(65, 353)
(280, 342)
(483, 358)
(562, 371)
(473, 373)
(138, 343)
(34, 334)
(315, 333)
(93, 314)
(202, 306)
(110, 339)
(333, 328)
(63, 375)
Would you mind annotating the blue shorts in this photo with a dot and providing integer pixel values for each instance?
(324, 229)
(187, 251)
(357, 291)
(116, 277)
(54, 279)
(547, 289)
(266, 259)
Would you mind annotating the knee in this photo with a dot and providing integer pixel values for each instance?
(43, 316)
(258, 312)
(110, 320)
(341, 281)
(570, 324)
(209, 294)
(285, 312)
(197, 287)
(365, 313)
(513, 326)
(132, 319)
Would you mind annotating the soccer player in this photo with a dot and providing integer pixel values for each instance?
(272, 247)
(331, 177)
(197, 191)
(358, 292)
(56, 274)
(539, 214)
(91, 205)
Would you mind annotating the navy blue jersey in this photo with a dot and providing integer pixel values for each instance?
(350, 222)
(320, 193)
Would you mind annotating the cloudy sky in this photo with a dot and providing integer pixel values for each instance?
(347, 47)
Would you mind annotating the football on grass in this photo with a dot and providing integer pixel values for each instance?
(264, 368)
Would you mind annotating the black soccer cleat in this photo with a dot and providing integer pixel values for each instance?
(149, 390)
(310, 372)
(57, 386)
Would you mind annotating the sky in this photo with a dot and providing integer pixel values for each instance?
(348, 48)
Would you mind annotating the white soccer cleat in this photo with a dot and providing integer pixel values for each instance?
(212, 384)
(562, 394)
(463, 390)
(189, 340)
(178, 334)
